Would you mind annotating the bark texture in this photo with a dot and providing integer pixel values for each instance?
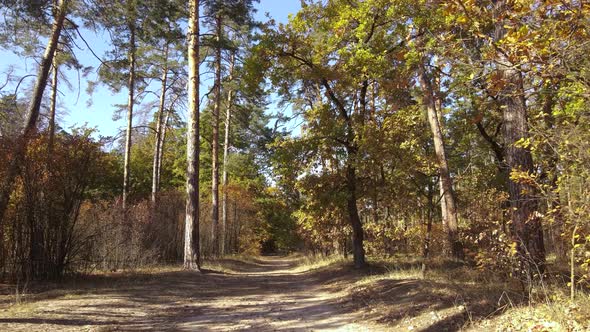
(192, 257)
(525, 222)
(526, 227)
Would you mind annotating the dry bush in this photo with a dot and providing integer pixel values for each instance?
(37, 230)
(146, 236)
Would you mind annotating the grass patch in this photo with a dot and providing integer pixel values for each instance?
(73, 286)
(461, 297)
(316, 262)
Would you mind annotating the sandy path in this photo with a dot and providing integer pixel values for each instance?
(267, 294)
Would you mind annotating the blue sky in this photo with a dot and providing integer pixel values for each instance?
(74, 103)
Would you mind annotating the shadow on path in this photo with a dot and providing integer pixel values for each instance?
(260, 294)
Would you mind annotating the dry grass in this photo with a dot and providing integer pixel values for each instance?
(392, 291)
(76, 285)
(316, 262)
(462, 297)
(558, 313)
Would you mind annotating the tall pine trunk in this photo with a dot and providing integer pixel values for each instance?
(159, 129)
(52, 106)
(224, 178)
(448, 207)
(192, 256)
(7, 183)
(38, 254)
(215, 144)
(130, 103)
(161, 152)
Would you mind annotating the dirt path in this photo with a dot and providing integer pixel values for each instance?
(266, 294)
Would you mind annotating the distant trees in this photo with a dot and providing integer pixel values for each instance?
(119, 69)
(226, 19)
(165, 32)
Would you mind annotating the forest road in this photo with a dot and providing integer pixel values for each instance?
(265, 294)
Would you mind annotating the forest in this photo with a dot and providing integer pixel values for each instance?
(406, 164)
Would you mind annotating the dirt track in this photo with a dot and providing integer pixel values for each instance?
(266, 294)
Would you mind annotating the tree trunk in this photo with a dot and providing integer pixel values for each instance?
(351, 178)
(224, 179)
(455, 246)
(526, 228)
(237, 227)
(428, 235)
(130, 102)
(192, 257)
(353, 214)
(159, 129)
(443, 205)
(163, 142)
(215, 144)
(52, 106)
(48, 199)
(161, 152)
(555, 204)
(7, 184)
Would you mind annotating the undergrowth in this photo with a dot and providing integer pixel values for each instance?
(482, 300)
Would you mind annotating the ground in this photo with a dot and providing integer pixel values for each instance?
(265, 294)
(261, 294)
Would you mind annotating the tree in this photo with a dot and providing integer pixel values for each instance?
(122, 20)
(53, 105)
(226, 142)
(448, 203)
(427, 56)
(131, 58)
(32, 115)
(160, 128)
(497, 51)
(192, 257)
(222, 15)
(316, 64)
(526, 224)
(164, 32)
(215, 139)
